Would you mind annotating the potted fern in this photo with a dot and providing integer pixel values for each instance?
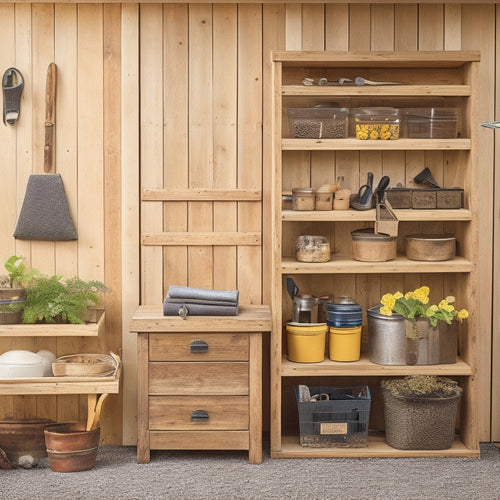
(13, 289)
(54, 300)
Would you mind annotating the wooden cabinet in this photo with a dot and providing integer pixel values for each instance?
(431, 79)
(200, 381)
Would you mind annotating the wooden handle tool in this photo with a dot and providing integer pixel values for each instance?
(50, 119)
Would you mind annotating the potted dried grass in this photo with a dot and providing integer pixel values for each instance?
(420, 412)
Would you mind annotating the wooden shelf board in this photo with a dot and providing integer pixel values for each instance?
(353, 144)
(378, 91)
(346, 265)
(55, 330)
(460, 214)
(364, 367)
(62, 385)
(251, 318)
(377, 447)
(376, 59)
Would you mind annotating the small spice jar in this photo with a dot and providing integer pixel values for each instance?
(303, 198)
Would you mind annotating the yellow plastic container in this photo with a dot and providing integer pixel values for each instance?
(306, 344)
(345, 343)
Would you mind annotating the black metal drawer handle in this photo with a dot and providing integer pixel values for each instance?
(198, 345)
(199, 416)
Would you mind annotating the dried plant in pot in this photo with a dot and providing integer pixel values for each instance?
(420, 412)
(54, 300)
(13, 289)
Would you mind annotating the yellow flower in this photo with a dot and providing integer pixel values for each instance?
(445, 306)
(425, 290)
(409, 295)
(398, 295)
(387, 311)
(388, 301)
(450, 299)
(463, 314)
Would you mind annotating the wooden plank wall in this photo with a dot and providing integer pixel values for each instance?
(174, 97)
(84, 42)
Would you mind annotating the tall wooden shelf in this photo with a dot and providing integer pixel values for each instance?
(431, 79)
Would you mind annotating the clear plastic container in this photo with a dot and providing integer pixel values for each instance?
(430, 123)
(318, 123)
(376, 123)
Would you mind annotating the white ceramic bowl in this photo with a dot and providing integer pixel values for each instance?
(21, 364)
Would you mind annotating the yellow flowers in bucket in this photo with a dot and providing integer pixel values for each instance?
(415, 304)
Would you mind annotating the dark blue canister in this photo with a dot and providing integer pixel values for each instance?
(344, 315)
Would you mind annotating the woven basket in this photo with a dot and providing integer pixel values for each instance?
(419, 423)
(84, 365)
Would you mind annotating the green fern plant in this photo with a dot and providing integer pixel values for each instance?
(54, 300)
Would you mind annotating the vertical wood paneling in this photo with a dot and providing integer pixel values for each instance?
(112, 207)
(293, 26)
(249, 146)
(382, 27)
(176, 157)
(495, 355)
(65, 34)
(200, 258)
(405, 27)
(225, 48)
(359, 27)
(130, 213)
(336, 26)
(478, 32)
(8, 166)
(430, 28)
(151, 30)
(313, 27)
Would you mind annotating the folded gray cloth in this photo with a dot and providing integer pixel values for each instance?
(186, 292)
(182, 301)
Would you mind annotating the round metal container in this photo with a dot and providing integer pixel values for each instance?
(386, 338)
(430, 247)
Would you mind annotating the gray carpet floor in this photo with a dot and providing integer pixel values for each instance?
(228, 476)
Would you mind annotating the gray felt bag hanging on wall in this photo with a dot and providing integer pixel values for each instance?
(45, 212)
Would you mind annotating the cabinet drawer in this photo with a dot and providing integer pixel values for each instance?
(199, 440)
(198, 347)
(177, 413)
(199, 379)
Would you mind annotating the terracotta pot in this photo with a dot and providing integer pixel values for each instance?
(24, 438)
(70, 447)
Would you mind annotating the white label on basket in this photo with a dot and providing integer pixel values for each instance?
(333, 428)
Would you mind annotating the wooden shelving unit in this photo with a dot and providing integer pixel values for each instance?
(432, 79)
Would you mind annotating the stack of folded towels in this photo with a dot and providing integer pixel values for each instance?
(184, 301)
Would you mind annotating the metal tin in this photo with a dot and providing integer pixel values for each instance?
(344, 315)
(303, 198)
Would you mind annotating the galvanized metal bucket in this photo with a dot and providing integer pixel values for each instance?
(390, 344)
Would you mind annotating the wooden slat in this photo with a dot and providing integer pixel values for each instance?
(169, 194)
(403, 59)
(201, 239)
(332, 368)
(399, 144)
(398, 265)
(459, 214)
(130, 203)
(388, 90)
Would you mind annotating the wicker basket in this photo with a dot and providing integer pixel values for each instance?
(84, 365)
(419, 423)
